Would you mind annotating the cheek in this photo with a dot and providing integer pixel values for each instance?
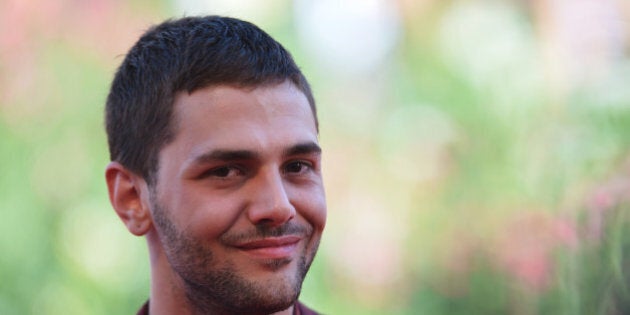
(313, 209)
(207, 216)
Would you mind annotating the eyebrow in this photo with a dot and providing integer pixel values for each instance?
(303, 148)
(225, 155)
(234, 155)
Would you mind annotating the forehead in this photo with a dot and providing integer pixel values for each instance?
(232, 116)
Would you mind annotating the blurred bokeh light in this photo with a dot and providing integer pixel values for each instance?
(477, 153)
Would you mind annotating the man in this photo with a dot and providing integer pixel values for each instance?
(213, 138)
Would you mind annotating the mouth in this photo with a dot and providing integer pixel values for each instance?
(271, 248)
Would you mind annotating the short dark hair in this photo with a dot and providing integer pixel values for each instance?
(186, 54)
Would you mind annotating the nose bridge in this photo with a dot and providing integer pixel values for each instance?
(270, 200)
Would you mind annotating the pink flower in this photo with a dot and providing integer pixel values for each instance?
(525, 246)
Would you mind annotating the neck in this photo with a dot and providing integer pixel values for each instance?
(167, 293)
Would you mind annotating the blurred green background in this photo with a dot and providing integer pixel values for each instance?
(477, 153)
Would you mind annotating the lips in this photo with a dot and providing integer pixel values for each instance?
(271, 248)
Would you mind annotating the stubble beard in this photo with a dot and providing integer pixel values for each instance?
(221, 290)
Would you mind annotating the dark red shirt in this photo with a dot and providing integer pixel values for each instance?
(299, 309)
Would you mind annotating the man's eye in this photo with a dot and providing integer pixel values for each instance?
(297, 167)
(224, 172)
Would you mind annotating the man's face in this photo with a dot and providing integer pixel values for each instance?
(239, 204)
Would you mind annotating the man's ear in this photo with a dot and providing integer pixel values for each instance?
(127, 195)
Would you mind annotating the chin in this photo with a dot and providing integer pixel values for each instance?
(278, 265)
(274, 296)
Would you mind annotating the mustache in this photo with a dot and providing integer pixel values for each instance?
(265, 231)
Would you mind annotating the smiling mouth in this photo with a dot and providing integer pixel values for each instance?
(271, 248)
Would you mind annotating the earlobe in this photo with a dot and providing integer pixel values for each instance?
(126, 191)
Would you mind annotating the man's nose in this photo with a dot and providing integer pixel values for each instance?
(270, 204)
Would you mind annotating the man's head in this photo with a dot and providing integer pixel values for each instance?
(215, 159)
(186, 55)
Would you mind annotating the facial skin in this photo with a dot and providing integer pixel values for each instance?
(236, 214)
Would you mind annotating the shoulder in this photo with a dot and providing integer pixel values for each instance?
(301, 309)
(144, 310)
